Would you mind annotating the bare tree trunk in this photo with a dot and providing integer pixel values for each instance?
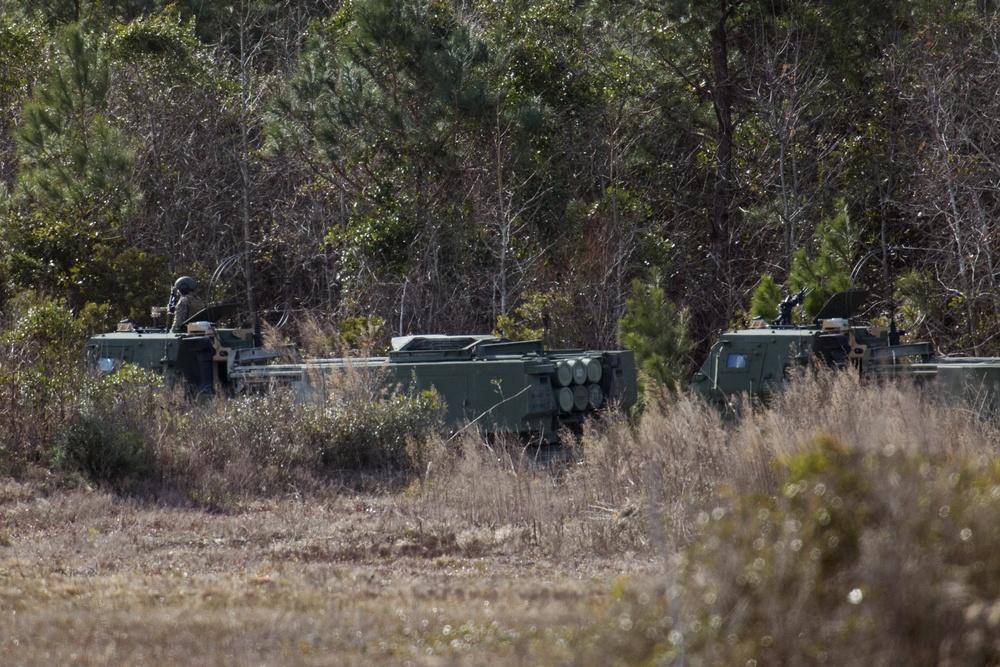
(722, 101)
(247, 53)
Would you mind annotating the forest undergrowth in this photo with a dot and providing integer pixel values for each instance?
(843, 523)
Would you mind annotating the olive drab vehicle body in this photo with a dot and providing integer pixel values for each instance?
(485, 382)
(196, 358)
(758, 360)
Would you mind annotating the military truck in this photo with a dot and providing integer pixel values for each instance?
(758, 360)
(494, 384)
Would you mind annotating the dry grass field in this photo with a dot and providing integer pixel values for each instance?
(87, 578)
(843, 524)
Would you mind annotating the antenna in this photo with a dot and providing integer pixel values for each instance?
(890, 276)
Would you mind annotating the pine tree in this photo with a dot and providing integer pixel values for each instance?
(657, 331)
(765, 299)
(830, 270)
(73, 188)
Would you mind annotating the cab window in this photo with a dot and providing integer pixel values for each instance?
(736, 360)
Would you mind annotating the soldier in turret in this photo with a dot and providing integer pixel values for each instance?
(184, 302)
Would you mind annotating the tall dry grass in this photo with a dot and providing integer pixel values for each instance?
(867, 416)
(841, 523)
(844, 523)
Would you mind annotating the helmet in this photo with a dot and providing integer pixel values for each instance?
(185, 284)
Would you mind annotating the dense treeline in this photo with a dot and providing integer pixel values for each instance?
(506, 165)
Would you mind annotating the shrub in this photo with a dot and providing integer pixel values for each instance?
(765, 299)
(39, 378)
(231, 450)
(112, 440)
(864, 557)
(657, 330)
(279, 443)
(106, 452)
(389, 434)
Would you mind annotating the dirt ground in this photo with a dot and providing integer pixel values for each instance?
(90, 578)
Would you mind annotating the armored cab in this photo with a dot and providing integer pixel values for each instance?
(198, 358)
(757, 361)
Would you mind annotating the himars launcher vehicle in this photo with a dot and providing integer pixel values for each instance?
(758, 360)
(496, 385)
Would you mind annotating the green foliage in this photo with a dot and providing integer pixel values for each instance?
(39, 377)
(112, 440)
(383, 92)
(539, 316)
(765, 299)
(72, 157)
(22, 46)
(74, 189)
(138, 277)
(382, 79)
(388, 434)
(361, 332)
(539, 46)
(657, 331)
(164, 46)
(914, 302)
(830, 270)
(105, 452)
(833, 566)
(45, 332)
(268, 430)
(377, 231)
(263, 445)
(52, 12)
(838, 526)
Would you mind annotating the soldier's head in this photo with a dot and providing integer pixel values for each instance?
(185, 285)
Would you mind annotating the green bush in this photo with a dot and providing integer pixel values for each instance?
(106, 452)
(40, 377)
(389, 434)
(657, 330)
(873, 557)
(113, 438)
(229, 450)
(835, 245)
(258, 446)
(765, 299)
